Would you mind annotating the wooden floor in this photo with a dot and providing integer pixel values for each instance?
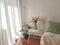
(32, 41)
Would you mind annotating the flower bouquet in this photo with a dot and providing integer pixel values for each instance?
(35, 20)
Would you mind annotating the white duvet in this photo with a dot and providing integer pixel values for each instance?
(50, 39)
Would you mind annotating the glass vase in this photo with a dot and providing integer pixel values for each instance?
(35, 24)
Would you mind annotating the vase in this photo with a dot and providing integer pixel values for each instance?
(35, 24)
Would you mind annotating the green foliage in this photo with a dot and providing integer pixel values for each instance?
(25, 28)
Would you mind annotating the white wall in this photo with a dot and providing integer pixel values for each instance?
(42, 8)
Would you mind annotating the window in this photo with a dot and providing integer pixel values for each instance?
(10, 19)
(3, 17)
(14, 20)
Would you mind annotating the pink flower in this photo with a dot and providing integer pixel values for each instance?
(35, 19)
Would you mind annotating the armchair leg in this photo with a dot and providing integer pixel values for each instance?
(28, 38)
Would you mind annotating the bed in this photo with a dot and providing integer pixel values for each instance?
(50, 39)
(52, 34)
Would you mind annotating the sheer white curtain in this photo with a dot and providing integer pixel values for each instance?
(10, 21)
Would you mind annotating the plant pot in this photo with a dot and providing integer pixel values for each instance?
(26, 36)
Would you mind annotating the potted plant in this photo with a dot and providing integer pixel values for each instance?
(25, 29)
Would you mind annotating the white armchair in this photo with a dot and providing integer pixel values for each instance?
(35, 33)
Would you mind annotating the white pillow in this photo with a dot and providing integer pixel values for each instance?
(53, 19)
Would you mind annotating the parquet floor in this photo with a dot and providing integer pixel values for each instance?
(32, 41)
